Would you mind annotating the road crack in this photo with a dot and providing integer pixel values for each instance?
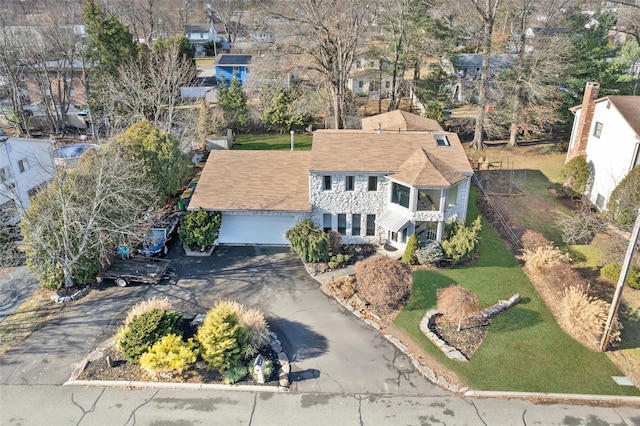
(90, 410)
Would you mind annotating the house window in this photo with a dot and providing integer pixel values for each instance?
(373, 183)
(236, 70)
(429, 200)
(371, 225)
(600, 201)
(355, 224)
(47, 92)
(246, 70)
(387, 84)
(342, 224)
(358, 64)
(72, 92)
(4, 174)
(33, 191)
(372, 64)
(350, 183)
(441, 140)
(400, 194)
(23, 165)
(326, 183)
(360, 84)
(326, 222)
(597, 131)
(452, 196)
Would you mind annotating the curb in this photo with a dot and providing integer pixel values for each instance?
(171, 385)
(554, 396)
(465, 392)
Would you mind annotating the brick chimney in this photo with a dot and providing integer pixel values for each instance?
(581, 136)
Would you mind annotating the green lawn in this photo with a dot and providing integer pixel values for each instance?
(272, 142)
(525, 349)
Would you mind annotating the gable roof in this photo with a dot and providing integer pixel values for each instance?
(422, 169)
(400, 120)
(254, 180)
(629, 107)
(387, 152)
(474, 60)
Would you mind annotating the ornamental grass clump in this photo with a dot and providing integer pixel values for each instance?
(544, 257)
(145, 306)
(584, 317)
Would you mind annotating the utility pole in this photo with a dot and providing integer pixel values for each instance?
(604, 344)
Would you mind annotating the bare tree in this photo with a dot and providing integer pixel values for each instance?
(487, 11)
(230, 14)
(83, 215)
(147, 88)
(330, 31)
(13, 72)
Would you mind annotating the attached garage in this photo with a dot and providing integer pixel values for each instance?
(255, 229)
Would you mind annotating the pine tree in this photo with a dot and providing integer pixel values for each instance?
(234, 105)
(222, 337)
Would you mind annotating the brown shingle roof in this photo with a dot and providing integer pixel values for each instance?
(366, 151)
(422, 169)
(254, 180)
(629, 107)
(400, 120)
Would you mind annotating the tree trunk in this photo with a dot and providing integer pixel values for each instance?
(522, 45)
(484, 83)
(337, 113)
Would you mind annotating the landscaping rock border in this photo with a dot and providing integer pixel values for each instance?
(55, 297)
(450, 351)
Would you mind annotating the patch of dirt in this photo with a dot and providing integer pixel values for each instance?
(467, 340)
(123, 370)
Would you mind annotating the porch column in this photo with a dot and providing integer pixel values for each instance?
(440, 231)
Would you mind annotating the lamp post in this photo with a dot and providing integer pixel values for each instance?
(604, 343)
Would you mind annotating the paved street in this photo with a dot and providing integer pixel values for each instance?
(343, 371)
(16, 285)
(71, 405)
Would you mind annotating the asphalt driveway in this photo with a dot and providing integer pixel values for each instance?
(330, 349)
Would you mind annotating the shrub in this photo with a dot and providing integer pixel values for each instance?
(624, 199)
(235, 374)
(543, 257)
(409, 255)
(575, 175)
(338, 261)
(431, 252)
(343, 287)
(611, 271)
(462, 242)
(309, 241)
(584, 317)
(560, 276)
(456, 304)
(144, 330)
(200, 228)
(385, 283)
(145, 306)
(170, 353)
(222, 337)
(579, 227)
(335, 241)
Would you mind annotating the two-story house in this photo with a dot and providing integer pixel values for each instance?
(374, 186)
(200, 34)
(606, 131)
(26, 165)
(367, 76)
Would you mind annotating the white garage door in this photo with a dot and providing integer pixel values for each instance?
(255, 229)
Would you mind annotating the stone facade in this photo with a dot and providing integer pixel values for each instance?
(361, 201)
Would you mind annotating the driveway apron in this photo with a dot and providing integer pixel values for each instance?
(330, 349)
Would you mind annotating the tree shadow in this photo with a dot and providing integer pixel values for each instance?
(630, 333)
(299, 341)
(514, 319)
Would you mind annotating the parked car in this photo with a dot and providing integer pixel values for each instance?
(155, 242)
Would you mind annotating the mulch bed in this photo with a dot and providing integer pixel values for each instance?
(467, 340)
(123, 370)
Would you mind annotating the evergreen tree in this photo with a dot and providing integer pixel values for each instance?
(234, 105)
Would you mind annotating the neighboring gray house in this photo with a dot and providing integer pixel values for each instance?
(26, 165)
(467, 67)
(371, 186)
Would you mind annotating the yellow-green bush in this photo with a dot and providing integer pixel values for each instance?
(611, 271)
(170, 353)
(222, 337)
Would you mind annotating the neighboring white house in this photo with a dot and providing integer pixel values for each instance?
(26, 165)
(199, 34)
(370, 185)
(367, 77)
(607, 131)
